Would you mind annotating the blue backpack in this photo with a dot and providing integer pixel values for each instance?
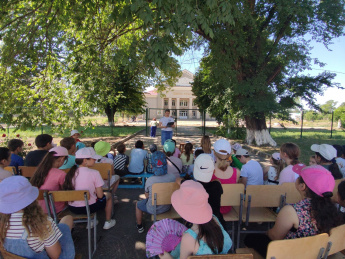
(159, 163)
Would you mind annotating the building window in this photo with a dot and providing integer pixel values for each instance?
(194, 114)
(166, 102)
(183, 113)
(173, 103)
(183, 103)
(174, 113)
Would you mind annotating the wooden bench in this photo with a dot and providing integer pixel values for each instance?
(143, 177)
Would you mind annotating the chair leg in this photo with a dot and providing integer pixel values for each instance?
(233, 237)
(89, 237)
(94, 234)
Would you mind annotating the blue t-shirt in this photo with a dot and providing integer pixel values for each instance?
(136, 165)
(69, 163)
(253, 171)
(80, 145)
(16, 161)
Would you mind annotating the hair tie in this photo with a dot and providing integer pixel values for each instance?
(334, 161)
(327, 194)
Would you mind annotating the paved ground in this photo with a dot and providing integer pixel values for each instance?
(123, 240)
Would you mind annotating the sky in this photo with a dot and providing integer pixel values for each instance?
(334, 59)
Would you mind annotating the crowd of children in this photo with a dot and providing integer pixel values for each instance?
(200, 172)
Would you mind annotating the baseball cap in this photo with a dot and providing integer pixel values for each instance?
(87, 152)
(242, 152)
(74, 132)
(16, 193)
(316, 177)
(102, 148)
(203, 168)
(169, 146)
(276, 156)
(60, 151)
(222, 146)
(327, 151)
(236, 146)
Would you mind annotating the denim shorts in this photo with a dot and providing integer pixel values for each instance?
(142, 205)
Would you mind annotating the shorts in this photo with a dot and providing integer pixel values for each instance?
(141, 205)
(97, 206)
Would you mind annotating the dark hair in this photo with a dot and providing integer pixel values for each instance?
(341, 190)
(174, 141)
(139, 144)
(43, 169)
(292, 151)
(67, 142)
(212, 233)
(167, 110)
(333, 168)
(323, 210)
(4, 153)
(198, 152)
(43, 139)
(93, 143)
(121, 148)
(68, 184)
(239, 156)
(13, 144)
(188, 148)
(153, 148)
(339, 150)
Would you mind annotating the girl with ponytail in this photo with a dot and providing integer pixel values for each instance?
(313, 215)
(289, 153)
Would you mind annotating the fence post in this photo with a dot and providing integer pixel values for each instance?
(301, 122)
(332, 124)
(176, 123)
(146, 116)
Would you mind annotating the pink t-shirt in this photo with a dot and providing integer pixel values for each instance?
(177, 152)
(87, 179)
(53, 182)
(287, 175)
(231, 180)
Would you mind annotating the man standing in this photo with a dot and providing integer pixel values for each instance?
(167, 125)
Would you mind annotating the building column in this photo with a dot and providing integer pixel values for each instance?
(177, 107)
(190, 107)
(169, 103)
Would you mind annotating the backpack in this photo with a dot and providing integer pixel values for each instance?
(159, 163)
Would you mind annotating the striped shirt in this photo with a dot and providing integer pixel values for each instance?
(16, 230)
(120, 161)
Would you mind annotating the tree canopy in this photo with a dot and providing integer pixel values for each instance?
(61, 59)
(255, 66)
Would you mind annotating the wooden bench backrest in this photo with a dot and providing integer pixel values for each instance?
(103, 169)
(164, 192)
(27, 171)
(292, 195)
(264, 195)
(306, 247)
(337, 238)
(63, 196)
(232, 194)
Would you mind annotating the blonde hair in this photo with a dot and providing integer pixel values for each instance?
(206, 144)
(222, 161)
(34, 220)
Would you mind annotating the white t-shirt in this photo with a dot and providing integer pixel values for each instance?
(271, 176)
(341, 164)
(153, 123)
(171, 168)
(253, 171)
(165, 120)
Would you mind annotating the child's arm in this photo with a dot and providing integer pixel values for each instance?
(54, 251)
(99, 192)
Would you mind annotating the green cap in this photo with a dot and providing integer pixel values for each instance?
(169, 146)
(102, 148)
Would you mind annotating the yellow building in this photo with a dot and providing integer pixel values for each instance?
(179, 99)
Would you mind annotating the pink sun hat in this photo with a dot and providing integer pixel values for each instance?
(191, 202)
(316, 177)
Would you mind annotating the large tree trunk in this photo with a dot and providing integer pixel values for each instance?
(110, 112)
(257, 132)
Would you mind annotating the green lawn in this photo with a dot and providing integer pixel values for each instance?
(96, 131)
(309, 137)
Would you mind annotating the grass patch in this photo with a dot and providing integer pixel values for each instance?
(309, 137)
(91, 132)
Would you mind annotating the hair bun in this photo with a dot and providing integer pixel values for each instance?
(327, 194)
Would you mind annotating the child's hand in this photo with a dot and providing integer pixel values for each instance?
(166, 255)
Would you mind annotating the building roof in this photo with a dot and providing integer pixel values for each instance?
(186, 78)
